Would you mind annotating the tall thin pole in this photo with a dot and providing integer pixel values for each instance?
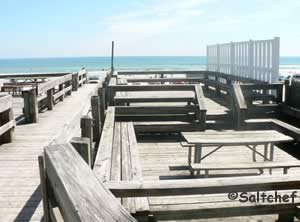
(112, 56)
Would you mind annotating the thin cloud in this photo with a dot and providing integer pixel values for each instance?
(156, 17)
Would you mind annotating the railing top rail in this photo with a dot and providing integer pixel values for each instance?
(44, 87)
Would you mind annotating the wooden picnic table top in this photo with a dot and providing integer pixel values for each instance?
(236, 137)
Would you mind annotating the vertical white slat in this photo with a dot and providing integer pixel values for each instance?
(256, 60)
(260, 61)
(269, 71)
(250, 60)
(276, 58)
(218, 58)
(264, 61)
(244, 59)
(232, 58)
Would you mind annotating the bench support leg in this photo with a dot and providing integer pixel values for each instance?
(254, 154)
(198, 154)
(285, 218)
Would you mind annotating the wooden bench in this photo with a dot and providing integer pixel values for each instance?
(71, 192)
(245, 166)
(210, 197)
(189, 115)
(117, 160)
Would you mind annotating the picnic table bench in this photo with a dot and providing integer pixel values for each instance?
(249, 139)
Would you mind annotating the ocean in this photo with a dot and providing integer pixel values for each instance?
(45, 65)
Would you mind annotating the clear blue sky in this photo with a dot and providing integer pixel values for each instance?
(57, 28)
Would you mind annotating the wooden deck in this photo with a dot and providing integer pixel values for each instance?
(20, 198)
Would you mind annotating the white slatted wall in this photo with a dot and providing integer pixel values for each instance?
(252, 59)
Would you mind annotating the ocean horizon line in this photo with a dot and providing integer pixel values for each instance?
(116, 56)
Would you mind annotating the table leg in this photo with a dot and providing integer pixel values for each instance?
(190, 155)
(254, 153)
(271, 155)
(198, 147)
(271, 151)
(266, 152)
(190, 160)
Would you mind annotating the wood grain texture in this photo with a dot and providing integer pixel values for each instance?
(74, 186)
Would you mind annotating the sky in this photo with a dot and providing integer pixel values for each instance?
(67, 28)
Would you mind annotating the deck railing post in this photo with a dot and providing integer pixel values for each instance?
(217, 82)
(286, 91)
(95, 104)
(75, 81)
(50, 102)
(82, 146)
(61, 87)
(86, 125)
(279, 94)
(68, 83)
(9, 135)
(101, 94)
(206, 80)
(30, 106)
(43, 182)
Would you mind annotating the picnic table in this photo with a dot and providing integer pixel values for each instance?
(249, 139)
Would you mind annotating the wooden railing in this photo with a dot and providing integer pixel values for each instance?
(72, 192)
(47, 94)
(256, 101)
(7, 122)
(292, 93)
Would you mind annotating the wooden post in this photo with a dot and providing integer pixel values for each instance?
(50, 102)
(217, 81)
(30, 106)
(82, 146)
(201, 117)
(104, 86)
(75, 81)
(95, 104)
(101, 95)
(44, 188)
(280, 94)
(240, 119)
(9, 135)
(84, 76)
(61, 87)
(286, 91)
(112, 55)
(206, 79)
(69, 83)
(86, 125)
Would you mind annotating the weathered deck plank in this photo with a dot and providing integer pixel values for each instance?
(20, 198)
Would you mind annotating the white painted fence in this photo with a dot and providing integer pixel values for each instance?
(252, 59)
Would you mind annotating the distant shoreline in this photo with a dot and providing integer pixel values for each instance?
(288, 64)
